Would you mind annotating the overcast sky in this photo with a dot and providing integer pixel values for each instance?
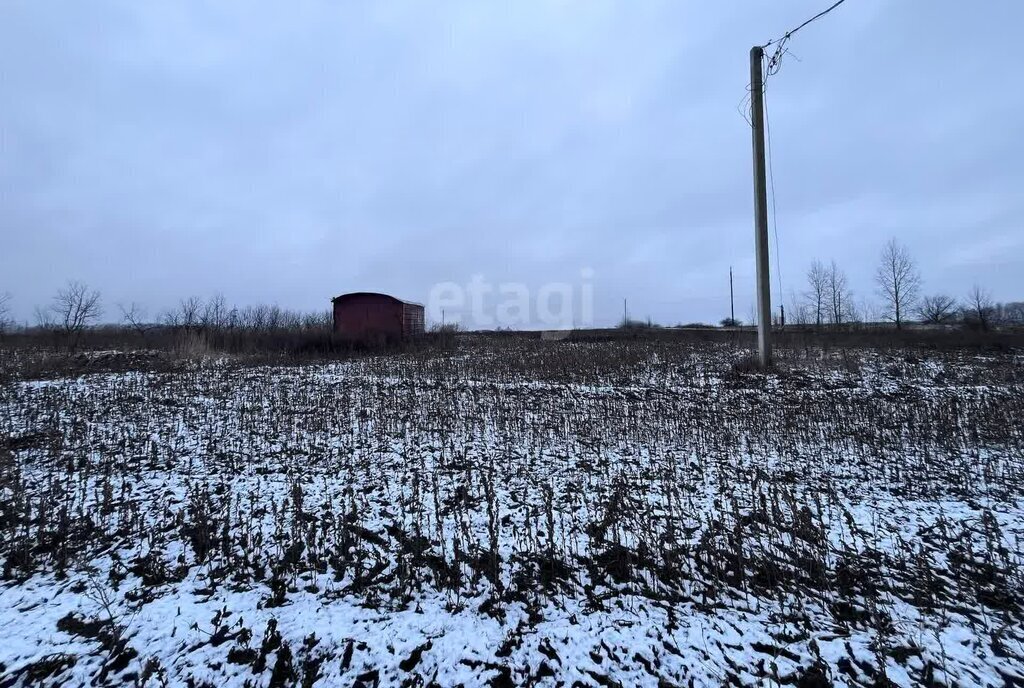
(289, 152)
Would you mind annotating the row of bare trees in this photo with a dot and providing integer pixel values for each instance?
(198, 316)
(828, 299)
(76, 308)
(977, 309)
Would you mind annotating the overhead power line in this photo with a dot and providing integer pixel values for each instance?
(815, 18)
(780, 43)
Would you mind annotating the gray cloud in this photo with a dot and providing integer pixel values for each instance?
(286, 153)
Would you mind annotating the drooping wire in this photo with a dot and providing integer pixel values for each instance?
(771, 180)
(744, 107)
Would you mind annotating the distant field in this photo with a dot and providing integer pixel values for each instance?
(512, 511)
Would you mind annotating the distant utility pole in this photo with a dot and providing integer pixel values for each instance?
(764, 297)
(732, 301)
(625, 313)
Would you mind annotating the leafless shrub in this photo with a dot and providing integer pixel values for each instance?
(937, 310)
(797, 311)
(185, 316)
(134, 316)
(5, 312)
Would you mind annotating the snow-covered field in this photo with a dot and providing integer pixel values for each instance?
(518, 513)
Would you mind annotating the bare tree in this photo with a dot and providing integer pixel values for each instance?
(898, 281)
(134, 316)
(979, 310)
(186, 315)
(76, 307)
(215, 313)
(854, 312)
(937, 309)
(253, 317)
(44, 317)
(840, 297)
(867, 311)
(5, 311)
(796, 310)
(817, 291)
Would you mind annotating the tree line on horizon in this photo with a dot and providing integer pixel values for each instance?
(827, 301)
(76, 308)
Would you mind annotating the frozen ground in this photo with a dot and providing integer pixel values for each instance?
(620, 513)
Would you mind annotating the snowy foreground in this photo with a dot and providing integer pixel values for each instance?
(517, 514)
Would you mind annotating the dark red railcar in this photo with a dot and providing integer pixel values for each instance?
(365, 315)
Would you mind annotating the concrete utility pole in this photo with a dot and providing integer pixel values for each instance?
(764, 297)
